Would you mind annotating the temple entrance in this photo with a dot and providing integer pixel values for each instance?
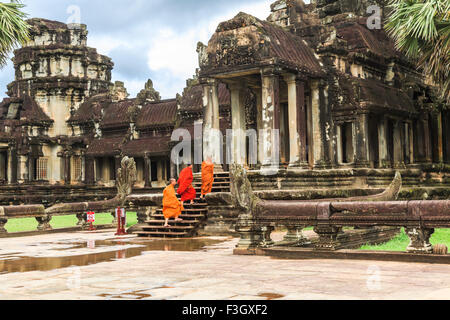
(374, 150)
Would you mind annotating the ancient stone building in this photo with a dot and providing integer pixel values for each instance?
(348, 108)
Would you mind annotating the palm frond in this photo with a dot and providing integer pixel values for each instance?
(14, 31)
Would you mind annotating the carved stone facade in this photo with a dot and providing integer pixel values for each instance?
(349, 109)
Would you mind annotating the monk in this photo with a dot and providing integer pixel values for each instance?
(171, 206)
(185, 188)
(207, 177)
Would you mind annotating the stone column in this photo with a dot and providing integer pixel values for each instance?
(147, 176)
(239, 146)
(270, 119)
(3, 166)
(427, 139)
(398, 145)
(440, 140)
(320, 127)
(382, 144)
(12, 165)
(297, 122)
(211, 123)
(362, 141)
(90, 171)
(67, 167)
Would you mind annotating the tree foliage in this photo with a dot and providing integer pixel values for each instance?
(421, 29)
(14, 30)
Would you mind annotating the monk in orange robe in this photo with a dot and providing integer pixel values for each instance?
(185, 188)
(207, 177)
(171, 206)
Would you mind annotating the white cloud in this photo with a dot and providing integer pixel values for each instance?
(175, 53)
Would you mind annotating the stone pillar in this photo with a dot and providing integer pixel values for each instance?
(270, 119)
(382, 143)
(67, 168)
(3, 166)
(259, 124)
(147, 176)
(12, 165)
(320, 130)
(211, 123)
(90, 171)
(297, 122)
(427, 139)
(362, 141)
(440, 140)
(239, 145)
(398, 145)
(419, 240)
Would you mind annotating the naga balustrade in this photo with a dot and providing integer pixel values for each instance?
(419, 218)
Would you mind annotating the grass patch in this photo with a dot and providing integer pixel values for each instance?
(401, 241)
(61, 222)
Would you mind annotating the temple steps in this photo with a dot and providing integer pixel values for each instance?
(194, 216)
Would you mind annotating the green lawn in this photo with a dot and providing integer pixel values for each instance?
(401, 242)
(30, 224)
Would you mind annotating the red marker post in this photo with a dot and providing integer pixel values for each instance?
(121, 216)
(90, 218)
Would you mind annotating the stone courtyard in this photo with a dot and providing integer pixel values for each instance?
(96, 266)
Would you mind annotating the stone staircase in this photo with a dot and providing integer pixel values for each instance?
(194, 216)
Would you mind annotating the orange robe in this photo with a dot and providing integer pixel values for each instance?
(207, 177)
(185, 188)
(171, 205)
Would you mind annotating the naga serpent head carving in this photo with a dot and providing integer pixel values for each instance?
(126, 177)
(241, 189)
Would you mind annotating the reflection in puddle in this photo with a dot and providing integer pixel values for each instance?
(26, 264)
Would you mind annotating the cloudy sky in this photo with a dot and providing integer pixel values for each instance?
(154, 39)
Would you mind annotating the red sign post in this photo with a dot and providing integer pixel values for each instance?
(90, 218)
(121, 216)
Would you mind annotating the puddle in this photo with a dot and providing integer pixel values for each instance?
(132, 248)
(270, 296)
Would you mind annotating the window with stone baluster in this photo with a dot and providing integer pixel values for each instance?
(42, 169)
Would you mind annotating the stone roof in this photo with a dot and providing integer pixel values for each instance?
(157, 114)
(153, 146)
(28, 111)
(119, 114)
(246, 41)
(105, 147)
(91, 109)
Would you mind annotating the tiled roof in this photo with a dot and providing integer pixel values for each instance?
(91, 109)
(151, 145)
(118, 114)
(155, 114)
(105, 146)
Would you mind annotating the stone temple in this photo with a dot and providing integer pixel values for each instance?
(349, 108)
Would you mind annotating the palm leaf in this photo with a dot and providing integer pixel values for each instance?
(14, 31)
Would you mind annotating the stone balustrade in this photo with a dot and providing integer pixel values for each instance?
(419, 218)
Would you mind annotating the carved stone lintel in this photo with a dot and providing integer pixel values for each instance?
(3, 222)
(327, 237)
(420, 240)
(294, 237)
(44, 223)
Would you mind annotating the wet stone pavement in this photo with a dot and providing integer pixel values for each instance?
(98, 265)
